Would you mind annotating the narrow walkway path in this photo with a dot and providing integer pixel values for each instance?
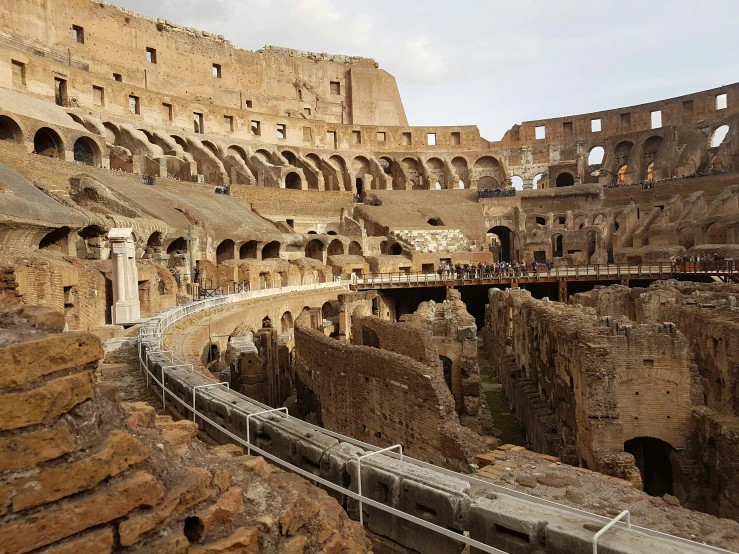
(500, 409)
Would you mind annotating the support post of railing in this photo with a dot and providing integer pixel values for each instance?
(248, 419)
(196, 387)
(359, 473)
(608, 526)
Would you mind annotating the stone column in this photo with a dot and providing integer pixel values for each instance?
(126, 307)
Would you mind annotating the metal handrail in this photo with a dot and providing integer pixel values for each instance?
(609, 525)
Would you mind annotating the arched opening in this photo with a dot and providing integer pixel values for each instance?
(410, 166)
(487, 182)
(10, 130)
(446, 364)
(225, 251)
(237, 152)
(271, 250)
(328, 310)
(460, 167)
(286, 322)
(177, 246)
(248, 250)
(557, 246)
(293, 181)
(290, 157)
(653, 460)
(622, 174)
(437, 185)
(487, 162)
(210, 146)
(595, 157)
(396, 249)
(622, 152)
(461, 184)
(383, 247)
(314, 250)
(719, 135)
(591, 240)
(179, 140)
(155, 243)
(565, 179)
(47, 143)
(112, 134)
(540, 221)
(90, 243)
(716, 234)
(387, 165)
(355, 249)
(651, 151)
(335, 248)
(56, 239)
(436, 222)
(501, 242)
(331, 233)
(86, 151)
(537, 179)
(148, 134)
(517, 182)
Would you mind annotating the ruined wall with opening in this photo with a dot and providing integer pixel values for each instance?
(582, 385)
(389, 392)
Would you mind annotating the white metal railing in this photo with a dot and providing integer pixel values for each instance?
(609, 525)
(151, 333)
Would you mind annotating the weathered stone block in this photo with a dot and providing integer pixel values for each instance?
(27, 450)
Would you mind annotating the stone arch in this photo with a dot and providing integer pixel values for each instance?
(290, 156)
(86, 151)
(328, 310)
(237, 152)
(315, 158)
(90, 236)
(487, 162)
(460, 167)
(56, 239)
(155, 243)
(264, 155)
(149, 135)
(504, 237)
(410, 165)
(314, 249)
(335, 248)
(112, 133)
(652, 456)
(286, 322)
(225, 251)
(435, 222)
(383, 247)
(10, 129)
(718, 136)
(178, 245)
(622, 152)
(210, 146)
(565, 179)
(716, 233)
(293, 181)
(248, 250)
(487, 182)
(557, 246)
(179, 140)
(355, 249)
(396, 249)
(386, 164)
(651, 151)
(517, 182)
(48, 143)
(271, 250)
(595, 157)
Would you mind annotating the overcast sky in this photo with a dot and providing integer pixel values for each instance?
(495, 63)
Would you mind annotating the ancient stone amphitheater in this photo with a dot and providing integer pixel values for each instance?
(245, 307)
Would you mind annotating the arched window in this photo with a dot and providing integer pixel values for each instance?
(85, 151)
(595, 158)
(517, 182)
(565, 179)
(719, 135)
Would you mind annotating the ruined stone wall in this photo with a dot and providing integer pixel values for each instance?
(707, 316)
(382, 397)
(574, 380)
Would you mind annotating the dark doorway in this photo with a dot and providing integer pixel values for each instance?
(653, 460)
(565, 180)
(506, 242)
(557, 242)
(447, 365)
(360, 186)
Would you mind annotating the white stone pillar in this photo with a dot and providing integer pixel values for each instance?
(126, 307)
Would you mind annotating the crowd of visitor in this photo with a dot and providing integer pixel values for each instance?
(649, 183)
(494, 270)
(222, 189)
(496, 193)
(147, 179)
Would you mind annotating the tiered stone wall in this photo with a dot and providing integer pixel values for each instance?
(432, 241)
